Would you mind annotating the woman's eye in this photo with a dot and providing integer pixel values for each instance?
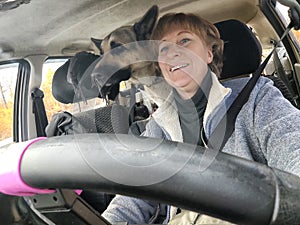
(163, 49)
(184, 40)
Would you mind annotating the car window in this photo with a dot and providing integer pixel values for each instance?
(284, 16)
(8, 78)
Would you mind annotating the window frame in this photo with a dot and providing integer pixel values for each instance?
(20, 132)
(15, 110)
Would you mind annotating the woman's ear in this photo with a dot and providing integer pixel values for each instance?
(210, 56)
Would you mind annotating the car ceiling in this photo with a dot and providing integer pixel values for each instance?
(64, 27)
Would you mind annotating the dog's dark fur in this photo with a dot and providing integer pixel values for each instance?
(127, 56)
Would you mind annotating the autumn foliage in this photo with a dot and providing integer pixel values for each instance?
(51, 105)
(6, 115)
(297, 35)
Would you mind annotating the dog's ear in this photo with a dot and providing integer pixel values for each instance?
(98, 42)
(144, 27)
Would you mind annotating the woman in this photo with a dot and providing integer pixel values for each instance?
(190, 59)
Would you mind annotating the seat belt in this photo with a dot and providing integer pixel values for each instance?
(279, 70)
(39, 111)
(132, 103)
(226, 125)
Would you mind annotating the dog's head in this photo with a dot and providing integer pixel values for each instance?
(121, 51)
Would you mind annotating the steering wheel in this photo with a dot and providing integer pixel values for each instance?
(230, 188)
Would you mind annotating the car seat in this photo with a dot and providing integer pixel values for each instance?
(72, 85)
(242, 53)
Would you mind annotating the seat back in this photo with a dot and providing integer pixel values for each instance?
(242, 50)
(242, 54)
(108, 119)
(71, 85)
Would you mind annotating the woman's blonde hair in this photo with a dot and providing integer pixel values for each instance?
(199, 26)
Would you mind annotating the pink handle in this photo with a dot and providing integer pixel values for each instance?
(11, 182)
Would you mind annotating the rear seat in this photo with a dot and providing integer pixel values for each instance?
(107, 119)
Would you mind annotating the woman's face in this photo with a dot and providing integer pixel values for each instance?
(183, 59)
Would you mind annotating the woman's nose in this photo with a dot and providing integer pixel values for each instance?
(173, 51)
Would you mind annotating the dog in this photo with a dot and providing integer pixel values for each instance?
(128, 55)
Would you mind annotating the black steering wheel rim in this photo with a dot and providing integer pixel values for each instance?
(230, 188)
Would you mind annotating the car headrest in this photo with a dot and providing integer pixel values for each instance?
(70, 79)
(242, 50)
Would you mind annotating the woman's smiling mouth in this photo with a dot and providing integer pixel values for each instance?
(172, 69)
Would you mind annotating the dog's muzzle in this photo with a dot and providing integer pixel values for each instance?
(108, 85)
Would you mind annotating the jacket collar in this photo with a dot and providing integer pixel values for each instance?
(167, 117)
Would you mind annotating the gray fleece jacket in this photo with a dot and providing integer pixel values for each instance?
(267, 126)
